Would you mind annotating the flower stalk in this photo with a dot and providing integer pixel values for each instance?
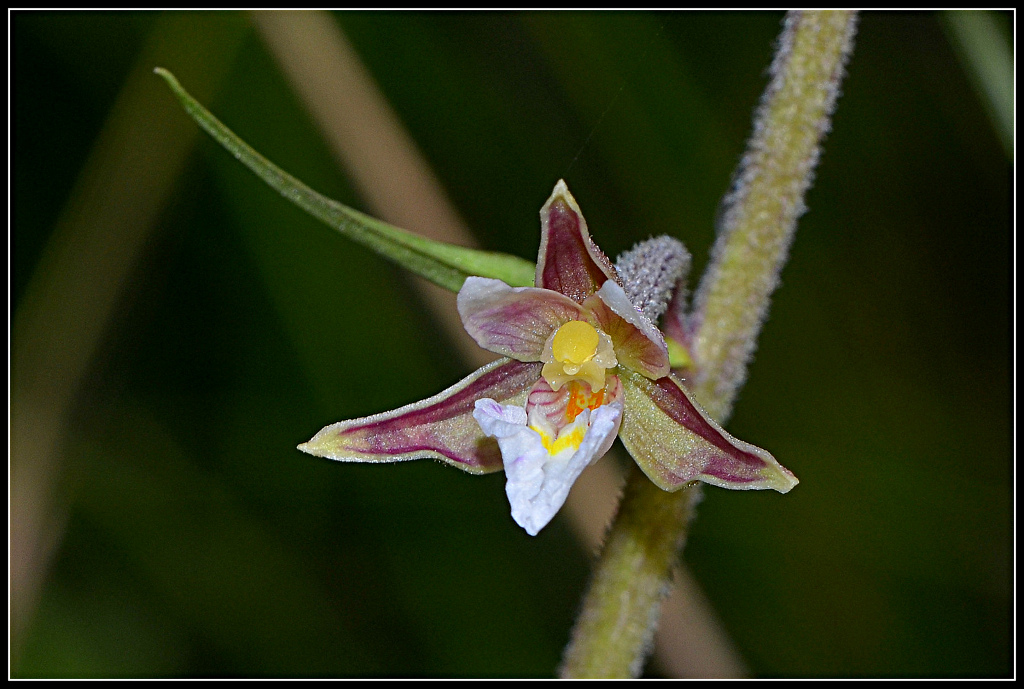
(766, 200)
(615, 629)
(613, 633)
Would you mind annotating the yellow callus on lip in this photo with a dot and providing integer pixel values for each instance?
(577, 351)
(571, 437)
(575, 343)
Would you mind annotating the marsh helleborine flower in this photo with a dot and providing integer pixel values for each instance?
(580, 365)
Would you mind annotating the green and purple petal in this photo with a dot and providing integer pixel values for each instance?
(638, 343)
(513, 321)
(441, 426)
(675, 442)
(569, 262)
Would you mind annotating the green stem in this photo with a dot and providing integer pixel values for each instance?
(613, 633)
(620, 613)
(766, 200)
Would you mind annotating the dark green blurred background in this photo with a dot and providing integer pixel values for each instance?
(194, 540)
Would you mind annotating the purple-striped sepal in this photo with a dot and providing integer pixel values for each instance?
(674, 441)
(441, 427)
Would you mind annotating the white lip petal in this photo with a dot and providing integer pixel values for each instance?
(537, 482)
(604, 427)
(497, 419)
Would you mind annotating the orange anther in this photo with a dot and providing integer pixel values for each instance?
(581, 397)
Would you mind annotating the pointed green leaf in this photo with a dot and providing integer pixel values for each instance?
(446, 265)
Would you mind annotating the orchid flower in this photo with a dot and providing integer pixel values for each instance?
(580, 365)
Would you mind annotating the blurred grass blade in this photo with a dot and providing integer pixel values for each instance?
(74, 296)
(446, 265)
(988, 61)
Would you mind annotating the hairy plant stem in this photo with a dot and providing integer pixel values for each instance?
(613, 632)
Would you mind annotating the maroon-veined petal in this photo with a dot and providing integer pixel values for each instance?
(675, 442)
(545, 407)
(441, 426)
(638, 343)
(552, 410)
(513, 321)
(569, 262)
